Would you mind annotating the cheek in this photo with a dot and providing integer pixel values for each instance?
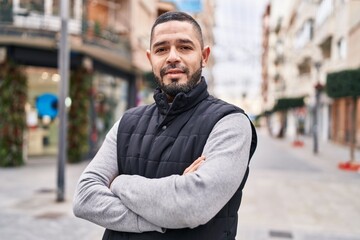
(156, 66)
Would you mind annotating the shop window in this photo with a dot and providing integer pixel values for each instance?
(41, 110)
(110, 102)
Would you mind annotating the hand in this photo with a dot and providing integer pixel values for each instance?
(195, 165)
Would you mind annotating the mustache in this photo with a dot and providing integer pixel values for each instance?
(173, 66)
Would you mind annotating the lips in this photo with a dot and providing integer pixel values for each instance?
(174, 71)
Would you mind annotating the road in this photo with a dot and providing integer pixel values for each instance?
(290, 194)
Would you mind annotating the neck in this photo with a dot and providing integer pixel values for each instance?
(170, 98)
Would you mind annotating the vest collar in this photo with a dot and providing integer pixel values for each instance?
(182, 101)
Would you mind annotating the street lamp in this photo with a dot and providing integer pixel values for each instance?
(318, 88)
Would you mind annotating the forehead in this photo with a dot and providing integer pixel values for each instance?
(174, 30)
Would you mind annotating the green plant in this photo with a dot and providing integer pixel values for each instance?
(343, 84)
(284, 104)
(79, 123)
(97, 29)
(6, 11)
(13, 95)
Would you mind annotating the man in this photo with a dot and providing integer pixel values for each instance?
(174, 169)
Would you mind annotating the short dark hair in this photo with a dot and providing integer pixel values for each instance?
(178, 16)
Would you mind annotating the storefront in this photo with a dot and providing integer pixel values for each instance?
(108, 101)
(41, 113)
(112, 91)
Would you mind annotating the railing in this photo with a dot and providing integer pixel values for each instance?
(120, 47)
(10, 30)
(47, 27)
(106, 38)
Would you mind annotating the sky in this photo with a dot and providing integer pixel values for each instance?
(237, 49)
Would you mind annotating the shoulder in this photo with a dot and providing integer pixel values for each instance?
(238, 123)
(234, 122)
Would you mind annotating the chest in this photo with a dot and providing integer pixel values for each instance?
(154, 149)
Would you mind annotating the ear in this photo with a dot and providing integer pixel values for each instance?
(148, 54)
(205, 56)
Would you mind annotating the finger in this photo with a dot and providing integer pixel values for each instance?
(189, 167)
(195, 165)
(199, 159)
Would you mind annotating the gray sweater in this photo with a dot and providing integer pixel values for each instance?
(132, 203)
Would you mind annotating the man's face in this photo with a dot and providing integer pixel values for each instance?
(176, 56)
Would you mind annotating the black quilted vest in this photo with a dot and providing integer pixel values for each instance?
(159, 140)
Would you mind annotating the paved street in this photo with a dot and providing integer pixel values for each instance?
(28, 210)
(290, 194)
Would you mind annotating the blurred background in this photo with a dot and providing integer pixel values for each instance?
(292, 65)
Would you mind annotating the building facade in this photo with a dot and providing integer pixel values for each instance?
(108, 38)
(313, 38)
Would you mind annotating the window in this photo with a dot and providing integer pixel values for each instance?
(342, 48)
(52, 6)
(325, 47)
(33, 5)
(305, 66)
(305, 34)
(324, 10)
(56, 8)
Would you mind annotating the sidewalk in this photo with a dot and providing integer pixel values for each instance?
(303, 198)
(293, 194)
(329, 154)
(28, 209)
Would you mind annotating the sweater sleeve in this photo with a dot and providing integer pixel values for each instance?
(93, 199)
(190, 200)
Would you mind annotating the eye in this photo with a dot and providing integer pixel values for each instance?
(160, 50)
(186, 48)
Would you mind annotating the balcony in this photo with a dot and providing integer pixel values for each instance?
(42, 32)
(106, 39)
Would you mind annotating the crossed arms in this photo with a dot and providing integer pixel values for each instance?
(132, 203)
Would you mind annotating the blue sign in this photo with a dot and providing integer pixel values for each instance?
(191, 6)
(47, 105)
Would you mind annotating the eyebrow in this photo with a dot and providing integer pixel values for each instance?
(186, 41)
(160, 43)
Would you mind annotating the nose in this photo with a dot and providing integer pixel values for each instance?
(173, 56)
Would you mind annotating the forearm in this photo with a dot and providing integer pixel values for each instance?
(95, 202)
(192, 199)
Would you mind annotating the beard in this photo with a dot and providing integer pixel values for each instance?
(173, 88)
